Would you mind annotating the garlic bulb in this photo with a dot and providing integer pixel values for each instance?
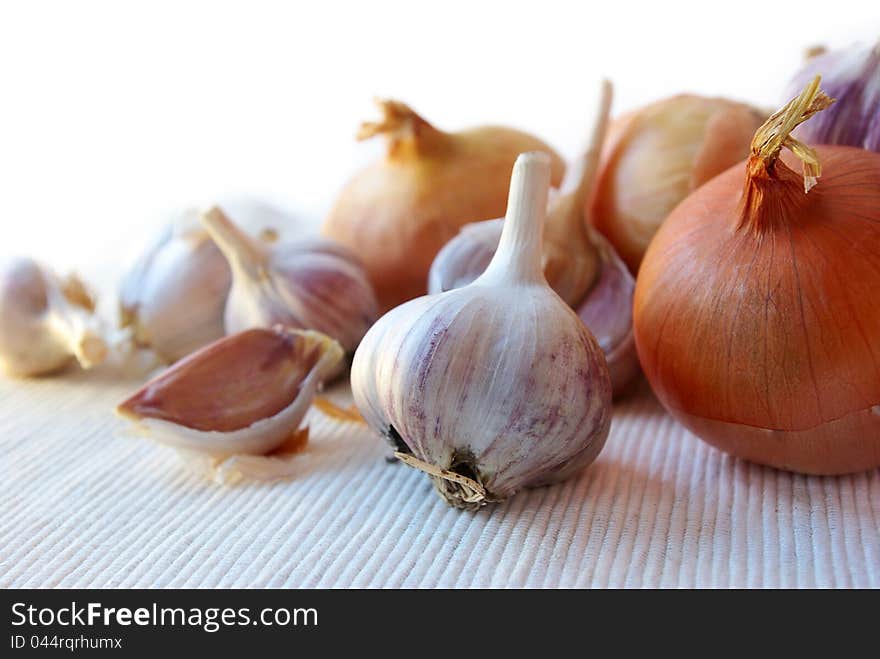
(244, 394)
(45, 321)
(852, 76)
(174, 296)
(494, 386)
(656, 156)
(579, 264)
(313, 283)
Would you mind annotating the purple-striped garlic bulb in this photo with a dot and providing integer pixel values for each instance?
(312, 283)
(852, 77)
(494, 386)
(580, 265)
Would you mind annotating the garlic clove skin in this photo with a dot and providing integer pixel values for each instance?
(243, 394)
(499, 381)
(46, 322)
(312, 283)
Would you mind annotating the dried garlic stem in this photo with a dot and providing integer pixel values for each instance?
(519, 256)
(571, 259)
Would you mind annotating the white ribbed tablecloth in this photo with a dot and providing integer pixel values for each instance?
(86, 504)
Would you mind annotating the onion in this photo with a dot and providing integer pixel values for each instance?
(658, 155)
(755, 311)
(397, 213)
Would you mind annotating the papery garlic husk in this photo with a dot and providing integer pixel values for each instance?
(312, 283)
(45, 321)
(657, 155)
(243, 394)
(494, 386)
(398, 212)
(852, 76)
(174, 296)
(579, 264)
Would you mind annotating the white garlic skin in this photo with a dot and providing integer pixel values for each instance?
(498, 380)
(41, 331)
(606, 309)
(312, 283)
(174, 296)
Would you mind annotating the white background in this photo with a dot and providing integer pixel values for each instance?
(114, 112)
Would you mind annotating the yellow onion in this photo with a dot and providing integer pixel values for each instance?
(397, 213)
(656, 156)
(755, 312)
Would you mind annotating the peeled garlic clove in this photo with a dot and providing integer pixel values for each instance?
(174, 296)
(45, 321)
(246, 393)
(312, 283)
(579, 264)
(494, 386)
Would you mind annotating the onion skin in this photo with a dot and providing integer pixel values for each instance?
(656, 156)
(760, 336)
(397, 213)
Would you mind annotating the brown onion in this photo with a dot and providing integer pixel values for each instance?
(756, 315)
(658, 155)
(397, 213)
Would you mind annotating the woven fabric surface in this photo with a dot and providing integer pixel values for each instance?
(87, 504)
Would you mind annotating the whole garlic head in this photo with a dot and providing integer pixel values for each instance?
(312, 283)
(494, 386)
(45, 322)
